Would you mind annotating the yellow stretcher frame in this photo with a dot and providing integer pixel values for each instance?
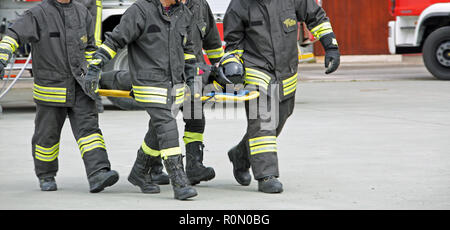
(123, 93)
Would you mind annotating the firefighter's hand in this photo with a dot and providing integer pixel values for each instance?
(332, 55)
(91, 81)
(332, 60)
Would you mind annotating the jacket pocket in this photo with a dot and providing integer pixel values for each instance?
(202, 28)
(289, 21)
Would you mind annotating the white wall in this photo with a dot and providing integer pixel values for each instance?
(218, 6)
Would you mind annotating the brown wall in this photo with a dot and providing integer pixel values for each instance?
(361, 26)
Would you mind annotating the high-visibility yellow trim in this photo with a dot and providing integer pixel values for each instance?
(91, 142)
(256, 81)
(149, 151)
(290, 85)
(98, 24)
(110, 51)
(215, 53)
(190, 137)
(189, 56)
(259, 140)
(150, 99)
(92, 146)
(165, 153)
(258, 74)
(264, 149)
(150, 90)
(49, 98)
(238, 52)
(4, 57)
(51, 89)
(290, 79)
(11, 41)
(231, 60)
(46, 154)
(322, 29)
(83, 139)
(7, 47)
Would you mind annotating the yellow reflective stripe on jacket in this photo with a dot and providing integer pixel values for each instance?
(179, 95)
(49, 98)
(149, 94)
(50, 90)
(90, 142)
(89, 54)
(49, 94)
(11, 41)
(6, 46)
(322, 29)
(256, 77)
(215, 53)
(190, 137)
(110, 51)
(263, 144)
(46, 154)
(189, 57)
(149, 151)
(290, 85)
(238, 52)
(4, 57)
(165, 153)
(258, 74)
(150, 99)
(98, 24)
(150, 90)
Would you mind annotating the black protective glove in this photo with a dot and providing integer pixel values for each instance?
(332, 55)
(92, 78)
(91, 81)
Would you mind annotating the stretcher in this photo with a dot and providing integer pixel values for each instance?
(243, 95)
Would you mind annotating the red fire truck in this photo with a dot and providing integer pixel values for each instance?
(422, 26)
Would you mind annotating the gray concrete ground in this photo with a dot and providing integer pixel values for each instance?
(369, 137)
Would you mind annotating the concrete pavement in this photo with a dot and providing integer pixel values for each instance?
(368, 137)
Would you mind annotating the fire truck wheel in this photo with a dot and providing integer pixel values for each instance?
(125, 103)
(436, 53)
(119, 62)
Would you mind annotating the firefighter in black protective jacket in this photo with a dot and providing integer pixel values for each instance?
(61, 33)
(157, 34)
(264, 34)
(205, 35)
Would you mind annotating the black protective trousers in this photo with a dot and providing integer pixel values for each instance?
(266, 118)
(83, 119)
(194, 120)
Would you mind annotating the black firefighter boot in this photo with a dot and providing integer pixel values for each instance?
(270, 184)
(48, 184)
(178, 179)
(241, 166)
(102, 179)
(157, 175)
(195, 170)
(139, 172)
